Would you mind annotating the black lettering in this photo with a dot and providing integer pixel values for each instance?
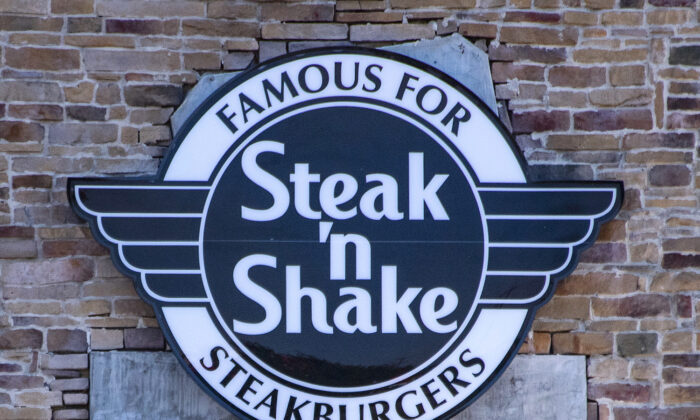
(376, 414)
(448, 382)
(430, 394)
(247, 387)
(343, 412)
(226, 119)
(285, 81)
(403, 87)
(324, 78)
(214, 356)
(339, 76)
(424, 91)
(402, 412)
(272, 405)
(475, 361)
(322, 411)
(293, 409)
(248, 105)
(456, 119)
(232, 374)
(376, 81)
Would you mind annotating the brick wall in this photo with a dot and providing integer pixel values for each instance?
(595, 89)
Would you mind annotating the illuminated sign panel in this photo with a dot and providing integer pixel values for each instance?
(344, 234)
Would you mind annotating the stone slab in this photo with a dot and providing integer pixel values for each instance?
(153, 385)
(454, 55)
(458, 58)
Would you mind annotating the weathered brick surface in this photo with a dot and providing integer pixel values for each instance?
(594, 89)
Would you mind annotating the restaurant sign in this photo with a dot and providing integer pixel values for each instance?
(344, 234)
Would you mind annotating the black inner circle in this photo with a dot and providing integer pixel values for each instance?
(427, 253)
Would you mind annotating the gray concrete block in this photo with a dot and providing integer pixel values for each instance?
(146, 385)
(205, 87)
(153, 385)
(535, 387)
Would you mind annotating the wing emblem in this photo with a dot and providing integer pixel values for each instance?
(535, 234)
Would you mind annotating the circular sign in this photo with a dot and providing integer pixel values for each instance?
(344, 234)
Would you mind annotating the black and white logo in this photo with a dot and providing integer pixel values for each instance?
(344, 234)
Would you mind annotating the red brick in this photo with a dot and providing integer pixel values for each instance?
(20, 381)
(53, 249)
(37, 112)
(502, 72)
(141, 26)
(539, 36)
(21, 339)
(297, 12)
(675, 413)
(577, 77)
(691, 103)
(66, 341)
(48, 271)
(42, 58)
(32, 181)
(619, 392)
(26, 23)
(540, 121)
(669, 175)
(143, 339)
(538, 17)
(504, 52)
(678, 120)
(606, 120)
(666, 140)
(640, 305)
(17, 131)
(675, 260)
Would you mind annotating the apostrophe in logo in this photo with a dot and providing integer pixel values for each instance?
(344, 234)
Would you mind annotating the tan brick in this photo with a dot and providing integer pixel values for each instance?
(202, 61)
(599, 4)
(539, 36)
(304, 31)
(103, 339)
(24, 413)
(241, 44)
(30, 7)
(627, 75)
(604, 368)
(64, 361)
(623, 18)
(47, 272)
(582, 142)
(101, 41)
(219, 28)
(88, 308)
(566, 308)
(362, 17)
(121, 8)
(132, 307)
(669, 16)
(682, 395)
(678, 341)
(582, 343)
(620, 97)
(596, 283)
(72, 7)
(594, 55)
(109, 60)
(479, 30)
(580, 18)
(297, 12)
(39, 308)
(231, 10)
(42, 58)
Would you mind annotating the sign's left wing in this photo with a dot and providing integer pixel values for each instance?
(152, 231)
